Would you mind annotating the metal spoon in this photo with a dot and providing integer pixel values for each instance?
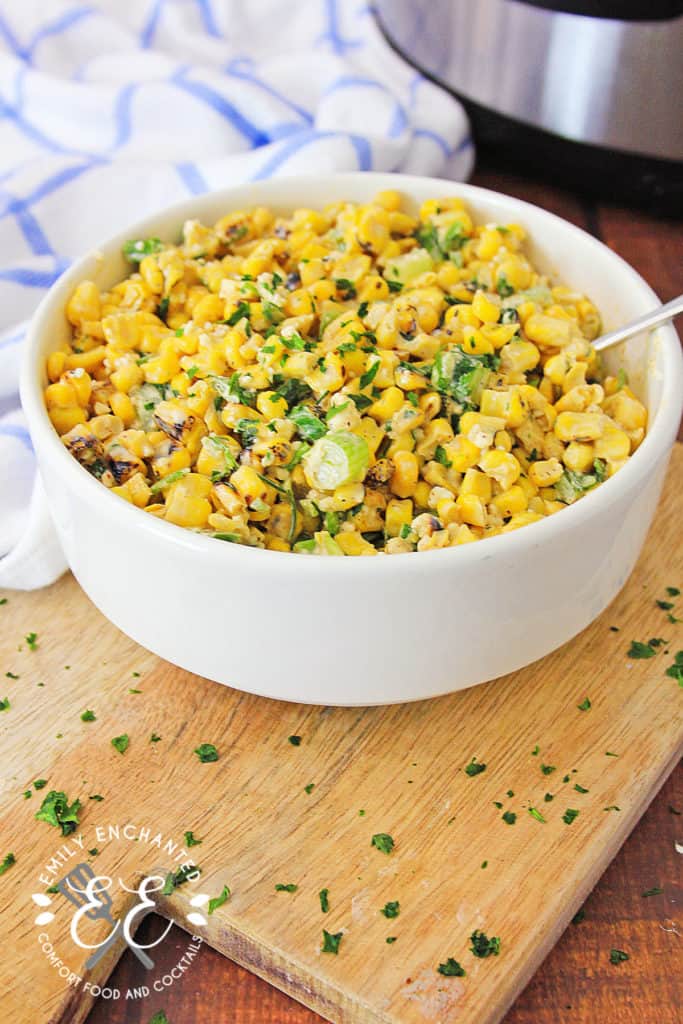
(657, 316)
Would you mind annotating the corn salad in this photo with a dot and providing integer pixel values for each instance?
(348, 381)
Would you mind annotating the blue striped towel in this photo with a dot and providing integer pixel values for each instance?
(114, 108)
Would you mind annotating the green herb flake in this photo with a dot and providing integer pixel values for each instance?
(570, 815)
(390, 940)
(97, 797)
(656, 890)
(88, 716)
(136, 249)
(286, 887)
(323, 896)
(93, 852)
(612, 807)
(391, 909)
(132, 690)
(666, 606)
(4, 600)
(309, 788)
(40, 784)
(671, 591)
(474, 768)
(536, 751)
(217, 901)
(509, 817)
(7, 861)
(580, 789)
(206, 752)
(159, 1018)
(154, 738)
(548, 769)
(482, 946)
(56, 811)
(585, 705)
(5, 704)
(537, 815)
(640, 650)
(548, 797)
(32, 641)
(618, 956)
(451, 969)
(121, 743)
(382, 842)
(191, 840)
(11, 675)
(331, 942)
(28, 793)
(294, 740)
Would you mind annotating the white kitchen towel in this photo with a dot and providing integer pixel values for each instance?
(114, 108)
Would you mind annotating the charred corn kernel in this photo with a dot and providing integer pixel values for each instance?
(122, 407)
(579, 456)
(65, 418)
(476, 483)
(56, 363)
(471, 509)
(404, 478)
(579, 426)
(501, 467)
(547, 331)
(519, 357)
(197, 361)
(389, 402)
(511, 501)
(545, 472)
(487, 311)
(353, 543)
(84, 304)
(628, 412)
(614, 445)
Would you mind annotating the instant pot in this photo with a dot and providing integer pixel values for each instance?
(589, 93)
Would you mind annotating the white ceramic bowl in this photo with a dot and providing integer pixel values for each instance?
(378, 630)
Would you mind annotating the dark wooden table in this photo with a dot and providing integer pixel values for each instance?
(576, 983)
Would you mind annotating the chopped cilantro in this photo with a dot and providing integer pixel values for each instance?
(294, 740)
(391, 909)
(580, 789)
(159, 1018)
(346, 288)
(441, 457)
(482, 946)
(509, 817)
(390, 940)
(474, 768)
(548, 797)
(585, 705)
(88, 716)
(217, 901)
(323, 896)
(206, 752)
(537, 815)
(369, 375)
(608, 753)
(40, 784)
(179, 877)
(331, 942)
(309, 787)
(288, 887)
(570, 815)
(666, 606)
(617, 956)
(4, 600)
(93, 852)
(382, 842)
(451, 969)
(11, 675)
(154, 738)
(191, 841)
(5, 704)
(55, 810)
(536, 751)
(7, 861)
(640, 650)
(162, 309)
(32, 641)
(503, 287)
(120, 743)
(395, 286)
(671, 591)
(612, 807)
(137, 248)
(97, 797)
(242, 311)
(548, 769)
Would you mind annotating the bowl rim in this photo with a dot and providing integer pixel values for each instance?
(657, 441)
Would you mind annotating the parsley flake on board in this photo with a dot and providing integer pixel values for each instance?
(382, 842)
(391, 909)
(451, 969)
(323, 896)
(217, 901)
(570, 815)
(675, 671)
(640, 650)
(309, 788)
(159, 1018)
(537, 815)
(585, 705)
(509, 817)
(474, 768)
(191, 841)
(295, 740)
(482, 946)
(97, 797)
(32, 641)
(5, 704)
(40, 784)
(673, 591)
(390, 940)
(55, 810)
(206, 752)
(548, 769)
(288, 887)
(617, 956)
(179, 877)
(7, 862)
(536, 751)
(580, 789)
(88, 716)
(11, 675)
(121, 743)
(154, 738)
(666, 606)
(331, 943)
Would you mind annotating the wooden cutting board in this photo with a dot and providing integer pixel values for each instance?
(379, 770)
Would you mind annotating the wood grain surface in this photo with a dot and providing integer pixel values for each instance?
(403, 767)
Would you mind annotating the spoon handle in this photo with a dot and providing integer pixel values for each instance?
(657, 316)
